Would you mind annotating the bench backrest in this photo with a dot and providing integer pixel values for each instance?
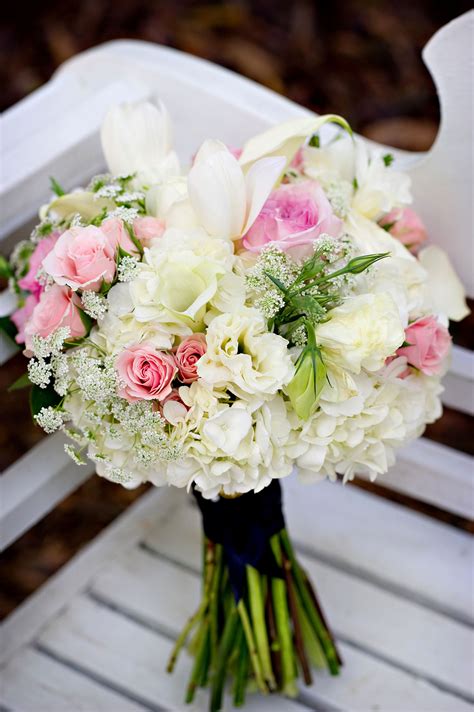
(55, 131)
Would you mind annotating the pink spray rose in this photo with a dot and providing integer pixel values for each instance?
(187, 356)
(406, 226)
(147, 228)
(118, 235)
(145, 373)
(293, 217)
(429, 343)
(57, 307)
(29, 282)
(82, 258)
(21, 316)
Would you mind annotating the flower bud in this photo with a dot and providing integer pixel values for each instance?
(306, 385)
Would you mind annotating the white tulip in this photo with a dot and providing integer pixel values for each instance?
(137, 138)
(227, 202)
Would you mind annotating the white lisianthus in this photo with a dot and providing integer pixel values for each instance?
(362, 332)
(244, 356)
(137, 138)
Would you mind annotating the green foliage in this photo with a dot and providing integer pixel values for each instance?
(43, 398)
(55, 187)
(20, 383)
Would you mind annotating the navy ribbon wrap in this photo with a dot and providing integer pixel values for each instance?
(244, 526)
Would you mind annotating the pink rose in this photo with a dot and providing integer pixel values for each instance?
(294, 216)
(145, 373)
(82, 258)
(21, 316)
(57, 307)
(187, 356)
(147, 228)
(428, 345)
(116, 232)
(406, 226)
(29, 282)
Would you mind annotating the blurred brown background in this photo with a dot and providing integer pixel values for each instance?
(359, 58)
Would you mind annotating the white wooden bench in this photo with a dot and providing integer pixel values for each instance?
(397, 585)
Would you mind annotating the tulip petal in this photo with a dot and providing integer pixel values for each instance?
(446, 290)
(259, 182)
(217, 190)
(137, 138)
(285, 139)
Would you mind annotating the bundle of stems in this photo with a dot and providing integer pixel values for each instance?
(264, 641)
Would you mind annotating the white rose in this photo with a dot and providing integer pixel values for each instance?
(242, 355)
(362, 332)
(177, 281)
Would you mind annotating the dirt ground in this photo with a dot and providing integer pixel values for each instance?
(357, 58)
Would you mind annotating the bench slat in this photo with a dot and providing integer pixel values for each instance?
(33, 682)
(107, 644)
(362, 612)
(35, 483)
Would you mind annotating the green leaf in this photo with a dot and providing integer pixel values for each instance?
(20, 383)
(8, 328)
(5, 269)
(86, 320)
(55, 187)
(355, 183)
(43, 398)
(276, 282)
(388, 159)
(314, 141)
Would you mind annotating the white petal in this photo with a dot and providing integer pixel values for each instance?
(446, 290)
(136, 138)
(286, 138)
(217, 190)
(259, 181)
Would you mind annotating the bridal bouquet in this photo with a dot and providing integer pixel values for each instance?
(267, 310)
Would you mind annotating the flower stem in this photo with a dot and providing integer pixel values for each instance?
(199, 670)
(242, 672)
(225, 648)
(283, 626)
(257, 612)
(312, 612)
(214, 603)
(299, 641)
(254, 659)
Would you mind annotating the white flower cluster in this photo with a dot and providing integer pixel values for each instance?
(184, 377)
